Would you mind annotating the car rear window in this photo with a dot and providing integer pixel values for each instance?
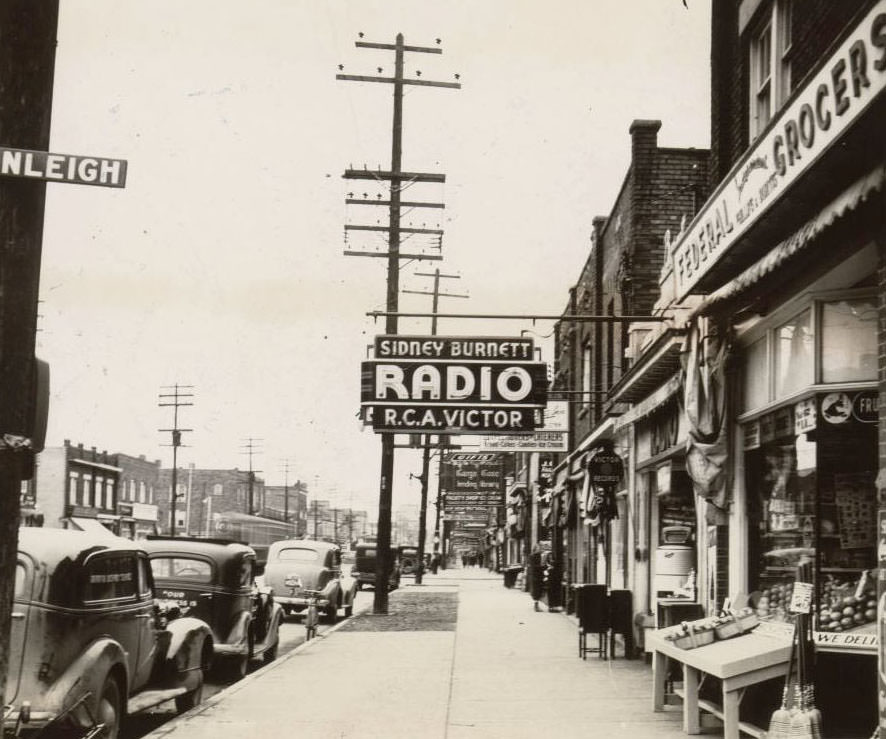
(181, 568)
(295, 554)
(110, 577)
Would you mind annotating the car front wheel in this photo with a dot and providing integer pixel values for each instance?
(188, 700)
(110, 709)
(332, 613)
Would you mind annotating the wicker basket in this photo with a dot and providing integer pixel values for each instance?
(736, 625)
(695, 638)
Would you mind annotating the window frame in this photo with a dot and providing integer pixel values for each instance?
(773, 30)
(814, 303)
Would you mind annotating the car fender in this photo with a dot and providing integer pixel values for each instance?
(238, 634)
(185, 651)
(273, 627)
(86, 674)
(332, 591)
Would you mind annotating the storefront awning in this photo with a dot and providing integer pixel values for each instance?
(90, 526)
(849, 200)
(653, 368)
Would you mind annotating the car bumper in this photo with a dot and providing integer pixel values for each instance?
(295, 601)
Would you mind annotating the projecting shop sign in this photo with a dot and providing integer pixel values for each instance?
(453, 385)
(77, 170)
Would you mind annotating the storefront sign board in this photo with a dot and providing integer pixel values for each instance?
(805, 416)
(402, 346)
(821, 112)
(551, 437)
(751, 432)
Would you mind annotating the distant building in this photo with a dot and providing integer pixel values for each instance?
(202, 492)
(82, 488)
(288, 503)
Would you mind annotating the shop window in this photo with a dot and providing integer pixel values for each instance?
(770, 64)
(756, 375)
(812, 496)
(794, 355)
(849, 333)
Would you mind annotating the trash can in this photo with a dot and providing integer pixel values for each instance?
(510, 575)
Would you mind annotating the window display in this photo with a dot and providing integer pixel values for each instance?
(812, 497)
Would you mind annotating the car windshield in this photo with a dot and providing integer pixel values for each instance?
(295, 554)
(183, 568)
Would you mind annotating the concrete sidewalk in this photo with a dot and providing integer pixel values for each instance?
(498, 669)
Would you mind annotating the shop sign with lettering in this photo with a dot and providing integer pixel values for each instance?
(805, 416)
(751, 431)
(821, 112)
(865, 407)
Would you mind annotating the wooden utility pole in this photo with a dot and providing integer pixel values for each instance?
(397, 177)
(250, 449)
(175, 400)
(27, 60)
(426, 439)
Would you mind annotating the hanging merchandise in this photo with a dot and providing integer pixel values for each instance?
(780, 722)
(704, 399)
(806, 721)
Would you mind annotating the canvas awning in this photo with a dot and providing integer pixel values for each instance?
(90, 526)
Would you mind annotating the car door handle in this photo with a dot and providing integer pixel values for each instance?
(18, 615)
(143, 615)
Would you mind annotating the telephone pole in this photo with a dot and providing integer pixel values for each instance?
(286, 490)
(426, 440)
(28, 34)
(398, 179)
(178, 398)
(249, 448)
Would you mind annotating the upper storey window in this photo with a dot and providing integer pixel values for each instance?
(770, 63)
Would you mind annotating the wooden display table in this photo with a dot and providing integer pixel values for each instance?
(737, 662)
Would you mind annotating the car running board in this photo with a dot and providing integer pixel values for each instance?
(150, 698)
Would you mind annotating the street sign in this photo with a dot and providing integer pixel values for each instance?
(74, 169)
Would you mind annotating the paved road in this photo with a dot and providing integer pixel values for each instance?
(292, 633)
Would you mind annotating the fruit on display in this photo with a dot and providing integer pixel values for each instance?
(774, 601)
(840, 608)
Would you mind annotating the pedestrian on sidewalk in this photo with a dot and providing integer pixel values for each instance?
(536, 576)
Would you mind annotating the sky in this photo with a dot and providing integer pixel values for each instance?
(220, 265)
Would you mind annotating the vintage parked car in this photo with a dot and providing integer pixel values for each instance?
(296, 565)
(408, 558)
(89, 644)
(214, 580)
(363, 570)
